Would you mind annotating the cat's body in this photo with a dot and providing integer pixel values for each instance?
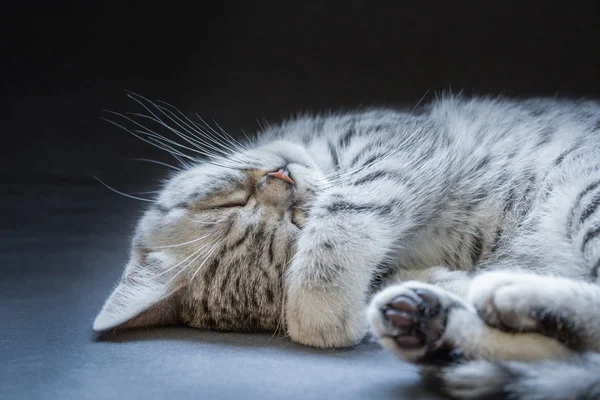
(301, 227)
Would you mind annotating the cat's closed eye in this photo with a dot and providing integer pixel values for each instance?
(236, 199)
(233, 203)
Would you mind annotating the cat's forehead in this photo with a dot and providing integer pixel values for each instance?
(277, 154)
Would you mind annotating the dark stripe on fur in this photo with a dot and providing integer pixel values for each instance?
(527, 198)
(361, 153)
(482, 164)
(230, 222)
(559, 326)
(376, 175)
(589, 235)
(511, 199)
(590, 209)
(546, 135)
(271, 251)
(497, 239)
(595, 270)
(225, 281)
(259, 234)
(347, 137)
(562, 156)
(382, 272)
(241, 240)
(592, 186)
(334, 156)
(211, 271)
(350, 207)
(476, 249)
(372, 159)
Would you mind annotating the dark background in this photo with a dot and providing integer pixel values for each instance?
(64, 238)
(238, 61)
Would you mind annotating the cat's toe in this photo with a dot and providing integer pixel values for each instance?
(409, 319)
(413, 317)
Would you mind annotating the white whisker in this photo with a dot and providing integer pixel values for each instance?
(218, 139)
(181, 161)
(180, 244)
(163, 138)
(201, 222)
(148, 192)
(155, 162)
(246, 136)
(233, 140)
(158, 120)
(159, 145)
(121, 193)
(228, 138)
(203, 262)
(281, 321)
(178, 264)
(191, 140)
(194, 130)
(197, 144)
(418, 103)
(194, 135)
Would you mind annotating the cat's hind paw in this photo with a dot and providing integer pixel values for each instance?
(520, 302)
(410, 320)
(506, 300)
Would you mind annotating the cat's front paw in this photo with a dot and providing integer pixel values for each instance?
(324, 319)
(410, 320)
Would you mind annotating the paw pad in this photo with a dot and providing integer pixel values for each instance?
(415, 318)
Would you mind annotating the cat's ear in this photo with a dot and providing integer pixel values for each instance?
(145, 296)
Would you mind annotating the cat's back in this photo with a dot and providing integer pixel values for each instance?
(477, 116)
(510, 131)
(529, 121)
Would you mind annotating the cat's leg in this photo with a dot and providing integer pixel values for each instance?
(564, 240)
(427, 324)
(556, 307)
(560, 308)
(346, 238)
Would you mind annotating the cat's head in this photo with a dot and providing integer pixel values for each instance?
(212, 250)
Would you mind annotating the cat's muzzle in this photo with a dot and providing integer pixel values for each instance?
(283, 174)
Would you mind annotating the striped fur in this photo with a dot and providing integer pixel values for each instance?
(477, 221)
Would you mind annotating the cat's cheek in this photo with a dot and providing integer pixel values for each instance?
(324, 319)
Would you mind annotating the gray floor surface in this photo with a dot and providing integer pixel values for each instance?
(63, 246)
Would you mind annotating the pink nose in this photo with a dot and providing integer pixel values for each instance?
(283, 174)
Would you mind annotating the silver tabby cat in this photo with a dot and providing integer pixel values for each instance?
(465, 235)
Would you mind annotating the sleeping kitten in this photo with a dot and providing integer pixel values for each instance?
(466, 234)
